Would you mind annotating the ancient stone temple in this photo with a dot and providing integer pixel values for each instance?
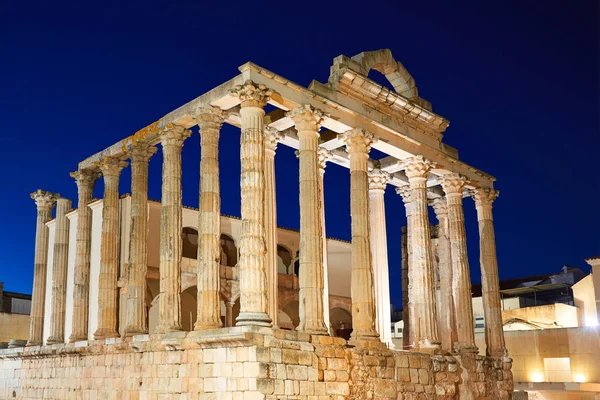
(110, 315)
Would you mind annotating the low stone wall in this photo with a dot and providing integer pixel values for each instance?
(245, 363)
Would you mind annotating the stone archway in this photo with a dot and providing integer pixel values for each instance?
(291, 315)
(341, 322)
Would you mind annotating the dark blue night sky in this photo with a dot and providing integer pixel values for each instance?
(517, 79)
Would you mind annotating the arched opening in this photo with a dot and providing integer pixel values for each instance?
(284, 260)
(228, 251)
(289, 315)
(190, 243)
(189, 308)
(340, 321)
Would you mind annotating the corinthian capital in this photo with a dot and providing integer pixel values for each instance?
(323, 155)
(272, 137)
(174, 135)
(417, 167)
(453, 183)
(484, 196)
(306, 117)
(111, 166)
(252, 94)
(142, 152)
(358, 141)
(43, 199)
(378, 179)
(209, 117)
(440, 207)
(85, 177)
(405, 193)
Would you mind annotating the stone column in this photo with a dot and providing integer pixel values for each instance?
(490, 287)
(109, 250)
(252, 248)
(86, 180)
(445, 308)
(210, 120)
(377, 182)
(358, 144)
(59, 272)
(44, 202)
(228, 314)
(453, 186)
(169, 306)
(324, 156)
(421, 290)
(271, 139)
(136, 314)
(407, 340)
(307, 120)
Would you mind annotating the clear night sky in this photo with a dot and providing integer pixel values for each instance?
(517, 79)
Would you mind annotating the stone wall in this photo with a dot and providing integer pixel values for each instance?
(244, 364)
(13, 326)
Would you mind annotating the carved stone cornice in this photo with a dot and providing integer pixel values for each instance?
(378, 179)
(440, 207)
(453, 184)
(323, 155)
(358, 140)
(111, 166)
(209, 117)
(417, 167)
(85, 177)
(484, 196)
(252, 94)
(306, 117)
(44, 200)
(272, 137)
(174, 135)
(142, 152)
(405, 193)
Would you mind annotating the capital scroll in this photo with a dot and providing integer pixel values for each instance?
(44, 199)
(358, 140)
(453, 184)
(405, 193)
(209, 117)
(142, 152)
(306, 117)
(272, 137)
(85, 177)
(111, 166)
(484, 196)
(174, 135)
(417, 167)
(252, 94)
(378, 179)
(323, 155)
(440, 207)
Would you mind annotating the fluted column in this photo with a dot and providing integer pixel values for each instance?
(44, 202)
(252, 247)
(59, 272)
(378, 180)
(324, 155)
(109, 250)
(421, 289)
(307, 120)
(407, 340)
(490, 288)
(271, 139)
(453, 186)
(86, 180)
(445, 308)
(169, 305)
(136, 314)
(358, 144)
(210, 120)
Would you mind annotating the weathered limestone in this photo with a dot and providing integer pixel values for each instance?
(407, 305)
(44, 202)
(59, 272)
(377, 182)
(453, 186)
(358, 144)
(169, 314)
(109, 249)
(324, 156)
(421, 287)
(86, 180)
(307, 120)
(136, 314)
(445, 307)
(252, 246)
(210, 120)
(271, 139)
(494, 336)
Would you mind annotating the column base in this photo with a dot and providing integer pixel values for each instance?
(363, 336)
(167, 329)
(134, 331)
(31, 343)
(313, 329)
(461, 348)
(201, 326)
(253, 318)
(55, 340)
(78, 337)
(105, 333)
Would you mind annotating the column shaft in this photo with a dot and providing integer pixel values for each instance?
(44, 202)
(271, 137)
(407, 306)
(169, 306)
(358, 144)
(307, 120)
(421, 281)
(86, 180)
(324, 156)
(490, 287)
(136, 314)
(252, 247)
(59, 272)
(461, 281)
(209, 120)
(109, 250)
